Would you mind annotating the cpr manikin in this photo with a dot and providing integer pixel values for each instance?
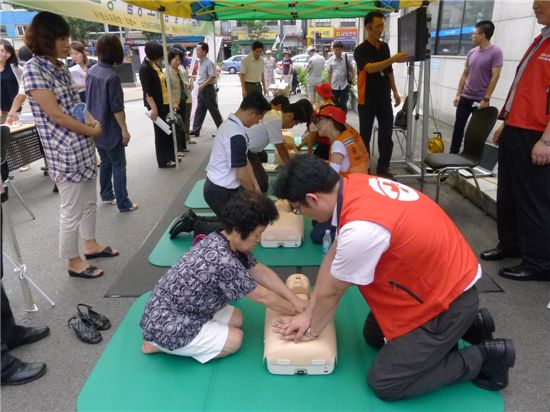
(286, 231)
(316, 357)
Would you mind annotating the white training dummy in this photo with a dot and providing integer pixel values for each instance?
(288, 140)
(286, 231)
(316, 357)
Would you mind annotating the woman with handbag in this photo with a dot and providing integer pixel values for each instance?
(178, 96)
(155, 98)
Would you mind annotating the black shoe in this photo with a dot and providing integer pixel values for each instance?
(498, 254)
(384, 173)
(100, 321)
(481, 329)
(185, 223)
(500, 357)
(27, 335)
(194, 133)
(23, 372)
(520, 273)
(85, 330)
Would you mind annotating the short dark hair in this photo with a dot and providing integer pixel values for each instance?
(109, 49)
(173, 53)
(302, 110)
(257, 45)
(9, 48)
(280, 100)
(246, 210)
(338, 44)
(25, 54)
(153, 50)
(204, 46)
(255, 101)
(371, 15)
(44, 30)
(181, 48)
(305, 174)
(486, 27)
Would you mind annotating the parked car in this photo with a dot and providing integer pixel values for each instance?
(233, 64)
(298, 62)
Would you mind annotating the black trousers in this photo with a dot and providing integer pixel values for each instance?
(425, 359)
(180, 129)
(523, 200)
(340, 98)
(464, 109)
(253, 87)
(383, 112)
(164, 143)
(206, 101)
(9, 333)
(256, 160)
(216, 196)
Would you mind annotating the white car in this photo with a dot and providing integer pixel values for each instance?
(298, 61)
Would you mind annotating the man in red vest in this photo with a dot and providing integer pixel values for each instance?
(417, 278)
(523, 192)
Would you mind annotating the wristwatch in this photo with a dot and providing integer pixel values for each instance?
(310, 334)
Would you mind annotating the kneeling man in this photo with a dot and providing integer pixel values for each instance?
(417, 278)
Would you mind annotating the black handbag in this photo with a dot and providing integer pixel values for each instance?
(349, 77)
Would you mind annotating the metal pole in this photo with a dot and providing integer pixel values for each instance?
(425, 117)
(168, 85)
(410, 109)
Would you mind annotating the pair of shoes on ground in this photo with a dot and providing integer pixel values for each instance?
(169, 165)
(133, 206)
(92, 272)
(499, 355)
(87, 323)
(518, 272)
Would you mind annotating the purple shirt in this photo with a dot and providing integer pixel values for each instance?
(480, 64)
(286, 63)
(104, 97)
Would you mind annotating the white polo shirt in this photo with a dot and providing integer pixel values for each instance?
(269, 130)
(228, 153)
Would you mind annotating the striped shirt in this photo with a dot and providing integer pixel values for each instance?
(70, 156)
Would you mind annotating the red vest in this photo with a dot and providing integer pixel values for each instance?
(357, 153)
(531, 105)
(428, 263)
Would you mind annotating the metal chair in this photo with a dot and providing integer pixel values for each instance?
(478, 130)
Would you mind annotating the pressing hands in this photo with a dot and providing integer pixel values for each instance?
(296, 328)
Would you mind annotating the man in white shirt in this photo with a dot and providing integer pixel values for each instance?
(314, 69)
(252, 71)
(340, 69)
(228, 168)
(418, 280)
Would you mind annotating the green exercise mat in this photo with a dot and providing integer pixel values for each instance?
(167, 251)
(195, 199)
(124, 379)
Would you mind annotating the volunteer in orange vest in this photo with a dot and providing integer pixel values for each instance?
(348, 153)
(523, 191)
(416, 272)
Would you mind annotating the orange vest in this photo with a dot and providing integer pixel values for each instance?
(531, 105)
(428, 263)
(357, 153)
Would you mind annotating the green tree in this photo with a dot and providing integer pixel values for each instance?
(256, 28)
(80, 29)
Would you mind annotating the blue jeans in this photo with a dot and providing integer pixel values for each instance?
(112, 175)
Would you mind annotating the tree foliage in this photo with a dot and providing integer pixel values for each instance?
(80, 29)
(256, 28)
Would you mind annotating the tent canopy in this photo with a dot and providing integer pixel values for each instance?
(272, 9)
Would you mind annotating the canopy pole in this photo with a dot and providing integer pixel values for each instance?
(168, 85)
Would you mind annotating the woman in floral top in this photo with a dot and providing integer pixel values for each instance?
(69, 145)
(188, 313)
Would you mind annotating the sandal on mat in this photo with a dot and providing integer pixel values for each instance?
(97, 319)
(85, 330)
(107, 252)
(87, 273)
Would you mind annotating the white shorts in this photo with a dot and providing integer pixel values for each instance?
(211, 339)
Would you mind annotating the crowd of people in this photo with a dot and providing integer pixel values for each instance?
(419, 280)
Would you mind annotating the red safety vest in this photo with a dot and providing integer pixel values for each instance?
(428, 263)
(357, 153)
(531, 105)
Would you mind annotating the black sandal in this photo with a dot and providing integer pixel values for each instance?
(97, 319)
(85, 330)
(87, 273)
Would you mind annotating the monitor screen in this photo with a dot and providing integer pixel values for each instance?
(413, 34)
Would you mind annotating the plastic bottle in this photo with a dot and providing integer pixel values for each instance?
(327, 240)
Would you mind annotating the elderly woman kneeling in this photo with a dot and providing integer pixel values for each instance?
(188, 313)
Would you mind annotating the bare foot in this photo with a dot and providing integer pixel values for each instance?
(148, 348)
